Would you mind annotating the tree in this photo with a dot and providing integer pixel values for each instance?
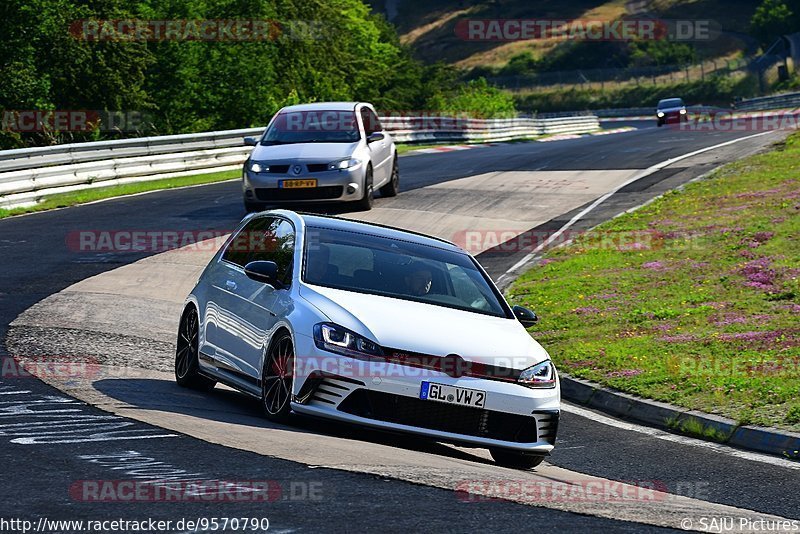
(771, 20)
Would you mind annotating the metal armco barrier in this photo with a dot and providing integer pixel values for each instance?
(784, 101)
(30, 175)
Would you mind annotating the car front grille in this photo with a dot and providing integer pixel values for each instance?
(310, 193)
(278, 169)
(317, 167)
(440, 416)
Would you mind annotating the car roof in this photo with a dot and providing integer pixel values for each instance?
(324, 106)
(389, 232)
(663, 100)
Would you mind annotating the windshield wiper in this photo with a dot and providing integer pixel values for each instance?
(276, 142)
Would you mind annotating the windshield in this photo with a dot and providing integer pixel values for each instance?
(318, 126)
(380, 266)
(670, 103)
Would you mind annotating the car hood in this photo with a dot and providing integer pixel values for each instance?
(304, 151)
(670, 110)
(428, 329)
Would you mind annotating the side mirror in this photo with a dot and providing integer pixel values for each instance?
(263, 271)
(525, 316)
(377, 136)
(250, 141)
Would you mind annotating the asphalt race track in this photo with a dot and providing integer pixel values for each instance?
(325, 476)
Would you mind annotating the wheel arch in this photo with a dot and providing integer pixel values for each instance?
(282, 328)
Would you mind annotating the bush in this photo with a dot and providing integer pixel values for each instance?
(661, 53)
(475, 98)
(523, 63)
(793, 415)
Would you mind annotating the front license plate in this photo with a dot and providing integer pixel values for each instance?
(452, 395)
(297, 184)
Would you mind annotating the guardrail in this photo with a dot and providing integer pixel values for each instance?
(784, 101)
(30, 175)
(625, 112)
(442, 129)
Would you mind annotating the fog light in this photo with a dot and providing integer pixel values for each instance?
(352, 188)
(248, 194)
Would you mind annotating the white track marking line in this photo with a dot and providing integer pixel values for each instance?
(675, 438)
(647, 172)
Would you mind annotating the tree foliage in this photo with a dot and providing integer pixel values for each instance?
(775, 18)
(321, 50)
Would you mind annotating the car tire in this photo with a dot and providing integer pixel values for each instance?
(393, 187)
(516, 459)
(187, 368)
(366, 202)
(277, 379)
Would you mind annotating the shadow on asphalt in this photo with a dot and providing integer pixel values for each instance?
(229, 406)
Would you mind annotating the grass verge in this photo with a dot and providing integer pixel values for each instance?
(693, 299)
(402, 149)
(90, 195)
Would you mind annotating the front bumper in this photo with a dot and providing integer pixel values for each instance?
(332, 186)
(672, 117)
(386, 396)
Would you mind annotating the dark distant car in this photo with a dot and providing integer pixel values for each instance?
(670, 111)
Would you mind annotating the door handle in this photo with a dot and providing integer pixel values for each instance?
(230, 284)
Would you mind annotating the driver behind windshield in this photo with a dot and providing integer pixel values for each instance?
(419, 279)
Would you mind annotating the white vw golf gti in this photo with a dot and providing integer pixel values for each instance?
(371, 325)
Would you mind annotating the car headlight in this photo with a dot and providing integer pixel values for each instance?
(343, 164)
(660, 114)
(257, 166)
(683, 112)
(334, 338)
(541, 375)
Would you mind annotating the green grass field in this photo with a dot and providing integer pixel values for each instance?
(693, 299)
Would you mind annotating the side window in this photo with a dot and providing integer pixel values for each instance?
(371, 122)
(241, 246)
(264, 238)
(276, 243)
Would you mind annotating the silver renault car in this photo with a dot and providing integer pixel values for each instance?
(323, 152)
